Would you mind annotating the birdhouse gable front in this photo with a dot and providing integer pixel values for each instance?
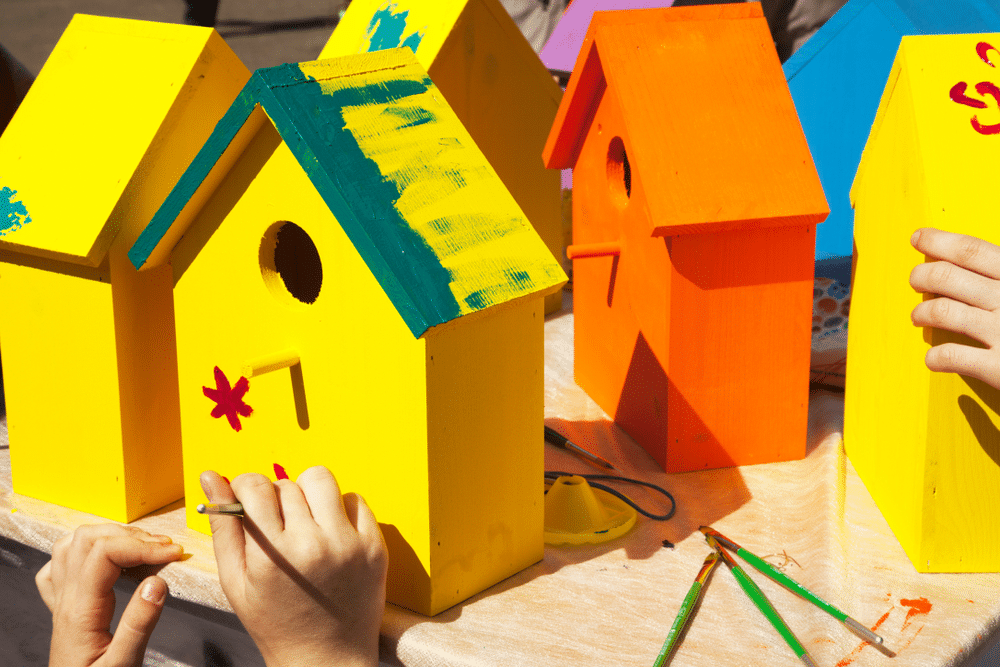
(942, 99)
(699, 76)
(405, 181)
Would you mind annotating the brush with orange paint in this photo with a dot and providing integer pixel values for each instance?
(784, 580)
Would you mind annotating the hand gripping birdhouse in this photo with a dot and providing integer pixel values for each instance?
(355, 287)
(694, 214)
(837, 79)
(109, 125)
(926, 444)
(491, 78)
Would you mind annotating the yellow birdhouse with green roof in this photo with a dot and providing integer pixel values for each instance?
(114, 117)
(355, 287)
(927, 445)
(492, 79)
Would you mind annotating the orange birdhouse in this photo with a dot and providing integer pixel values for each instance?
(694, 219)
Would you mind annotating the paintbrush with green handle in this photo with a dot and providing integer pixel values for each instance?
(760, 601)
(687, 606)
(783, 579)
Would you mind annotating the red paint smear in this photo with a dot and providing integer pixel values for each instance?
(957, 94)
(279, 472)
(982, 48)
(860, 647)
(229, 400)
(917, 607)
(225, 478)
(987, 88)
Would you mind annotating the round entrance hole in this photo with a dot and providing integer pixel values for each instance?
(619, 172)
(290, 264)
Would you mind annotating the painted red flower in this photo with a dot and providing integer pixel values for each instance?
(229, 401)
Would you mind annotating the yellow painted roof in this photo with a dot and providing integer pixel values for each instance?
(70, 153)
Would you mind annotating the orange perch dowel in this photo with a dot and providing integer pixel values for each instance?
(584, 250)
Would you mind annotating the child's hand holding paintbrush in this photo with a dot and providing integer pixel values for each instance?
(304, 569)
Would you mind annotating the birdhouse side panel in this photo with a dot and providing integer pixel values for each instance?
(737, 297)
(961, 485)
(61, 388)
(887, 394)
(289, 352)
(485, 384)
(962, 477)
(147, 382)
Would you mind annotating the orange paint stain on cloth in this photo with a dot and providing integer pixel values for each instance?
(917, 607)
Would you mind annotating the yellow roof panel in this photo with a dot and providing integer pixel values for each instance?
(71, 151)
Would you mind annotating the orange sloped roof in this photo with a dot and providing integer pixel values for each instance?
(710, 123)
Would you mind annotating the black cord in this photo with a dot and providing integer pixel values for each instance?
(553, 475)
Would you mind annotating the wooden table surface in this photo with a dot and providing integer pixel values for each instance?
(613, 603)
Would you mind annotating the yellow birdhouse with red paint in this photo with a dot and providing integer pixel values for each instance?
(491, 78)
(108, 127)
(927, 445)
(355, 287)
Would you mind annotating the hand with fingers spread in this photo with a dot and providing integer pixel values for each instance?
(304, 569)
(965, 272)
(77, 586)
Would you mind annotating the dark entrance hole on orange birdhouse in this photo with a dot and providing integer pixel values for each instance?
(619, 173)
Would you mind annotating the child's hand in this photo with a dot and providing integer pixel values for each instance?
(966, 275)
(76, 585)
(304, 569)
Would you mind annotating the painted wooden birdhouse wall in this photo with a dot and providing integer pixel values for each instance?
(926, 444)
(355, 287)
(837, 79)
(694, 213)
(109, 125)
(492, 79)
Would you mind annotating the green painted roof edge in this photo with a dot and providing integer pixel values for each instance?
(319, 160)
(192, 178)
(422, 304)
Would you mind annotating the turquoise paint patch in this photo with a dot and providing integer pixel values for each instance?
(368, 193)
(477, 300)
(13, 212)
(385, 30)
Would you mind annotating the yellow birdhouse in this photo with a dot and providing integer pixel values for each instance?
(355, 287)
(491, 77)
(108, 127)
(927, 445)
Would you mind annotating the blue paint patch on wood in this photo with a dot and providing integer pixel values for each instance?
(13, 212)
(385, 30)
(837, 79)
